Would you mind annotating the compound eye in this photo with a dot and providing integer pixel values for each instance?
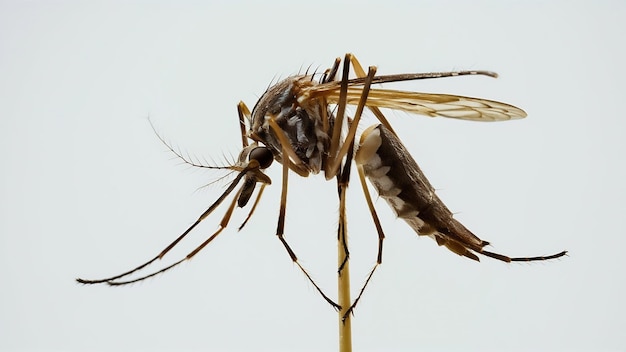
(263, 155)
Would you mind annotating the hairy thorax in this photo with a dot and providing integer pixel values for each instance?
(301, 121)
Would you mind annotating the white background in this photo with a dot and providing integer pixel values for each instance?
(88, 190)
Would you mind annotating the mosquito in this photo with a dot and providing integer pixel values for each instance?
(301, 123)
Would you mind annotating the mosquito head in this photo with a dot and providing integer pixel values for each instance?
(262, 157)
(252, 160)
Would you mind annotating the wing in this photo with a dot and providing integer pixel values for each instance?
(429, 104)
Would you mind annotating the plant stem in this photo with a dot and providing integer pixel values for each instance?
(343, 276)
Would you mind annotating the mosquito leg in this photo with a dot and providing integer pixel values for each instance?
(223, 225)
(381, 237)
(99, 281)
(532, 259)
(467, 249)
(333, 162)
(244, 114)
(171, 245)
(358, 69)
(370, 205)
(330, 74)
(280, 228)
(357, 117)
(351, 309)
(506, 259)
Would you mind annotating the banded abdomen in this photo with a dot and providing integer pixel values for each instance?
(397, 179)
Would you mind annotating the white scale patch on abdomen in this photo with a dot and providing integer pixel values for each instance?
(368, 159)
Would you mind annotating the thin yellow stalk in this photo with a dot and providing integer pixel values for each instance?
(343, 279)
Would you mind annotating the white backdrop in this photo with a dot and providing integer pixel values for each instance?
(88, 190)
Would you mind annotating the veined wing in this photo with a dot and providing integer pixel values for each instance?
(429, 104)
